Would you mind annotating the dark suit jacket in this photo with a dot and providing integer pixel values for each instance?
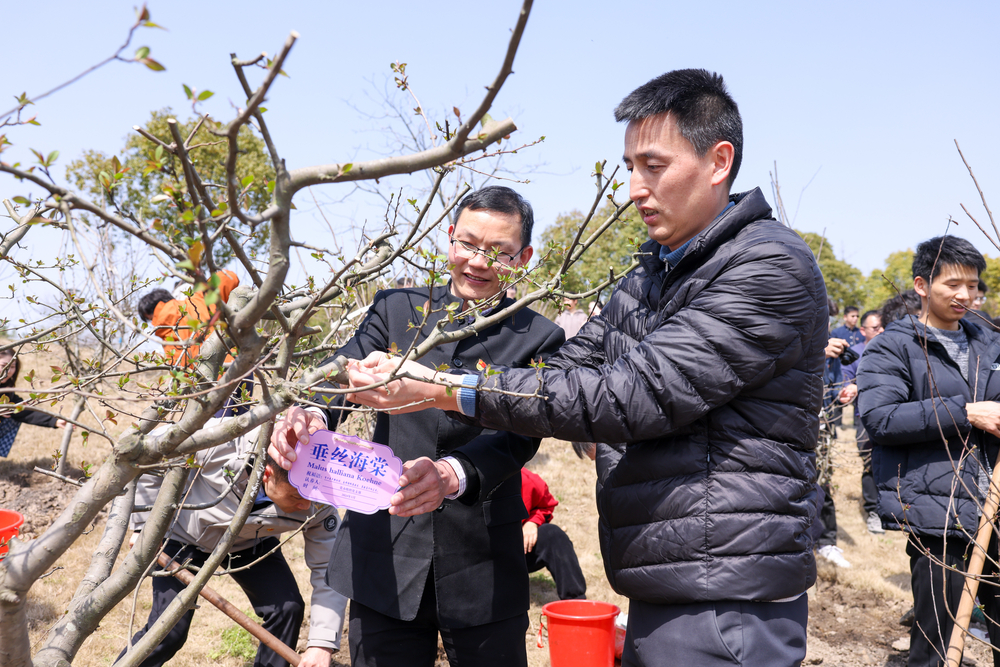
(475, 543)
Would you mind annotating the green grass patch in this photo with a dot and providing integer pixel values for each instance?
(542, 577)
(237, 642)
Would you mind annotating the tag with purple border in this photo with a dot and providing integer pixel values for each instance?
(346, 472)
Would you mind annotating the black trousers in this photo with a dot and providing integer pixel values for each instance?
(378, 640)
(269, 585)
(715, 634)
(869, 493)
(828, 520)
(936, 594)
(554, 551)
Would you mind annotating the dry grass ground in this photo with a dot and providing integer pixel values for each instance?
(853, 612)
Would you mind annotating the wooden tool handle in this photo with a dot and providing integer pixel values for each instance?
(232, 612)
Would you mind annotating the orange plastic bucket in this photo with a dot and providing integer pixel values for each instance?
(581, 633)
(10, 522)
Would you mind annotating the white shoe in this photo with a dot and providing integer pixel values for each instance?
(874, 524)
(834, 554)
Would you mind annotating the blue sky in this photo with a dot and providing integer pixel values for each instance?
(860, 102)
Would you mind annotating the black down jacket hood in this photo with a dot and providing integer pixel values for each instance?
(709, 378)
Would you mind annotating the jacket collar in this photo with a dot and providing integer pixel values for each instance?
(914, 327)
(748, 208)
(983, 348)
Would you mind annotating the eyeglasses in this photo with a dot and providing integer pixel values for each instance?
(466, 250)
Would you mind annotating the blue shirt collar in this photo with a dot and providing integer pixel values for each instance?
(671, 257)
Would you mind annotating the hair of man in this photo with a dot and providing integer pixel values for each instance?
(500, 199)
(280, 474)
(982, 287)
(700, 105)
(940, 251)
(850, 309)
(864, 318)
(897, 307)
(150, 300)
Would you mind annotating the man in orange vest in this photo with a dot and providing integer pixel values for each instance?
(177, 320)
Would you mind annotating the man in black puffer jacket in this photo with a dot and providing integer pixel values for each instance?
(706, 368)
(932, 418)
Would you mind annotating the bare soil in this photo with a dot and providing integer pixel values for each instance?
(854, 613)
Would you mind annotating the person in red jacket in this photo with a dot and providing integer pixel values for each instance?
(545, 544)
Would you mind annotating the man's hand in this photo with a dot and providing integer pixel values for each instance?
(294, 427)
(835, 348)
(316, 656)
(530, 531)
(424, 484)
(62, 423)
(405, 395)
(984, 415)
(848, 393)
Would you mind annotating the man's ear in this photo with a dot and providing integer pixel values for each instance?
(921, 287)
(722, 155)
(526, 255)
(268, 475)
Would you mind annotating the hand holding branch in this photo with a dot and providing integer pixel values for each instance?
(848, 393)
(398, 394)
(294, 427)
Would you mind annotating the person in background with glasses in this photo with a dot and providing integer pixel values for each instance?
(871, 326)
(460, 571)
(977, 312)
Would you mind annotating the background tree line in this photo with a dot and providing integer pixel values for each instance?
(845, 283)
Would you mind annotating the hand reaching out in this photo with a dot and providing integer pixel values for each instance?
(424, 484)
(984, 415)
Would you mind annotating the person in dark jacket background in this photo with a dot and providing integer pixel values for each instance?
(705, 372)
(11, 421)
(849, 329)
(871, 326)
(928, 388)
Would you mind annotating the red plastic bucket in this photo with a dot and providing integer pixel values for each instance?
(581, 633)
(10, 522)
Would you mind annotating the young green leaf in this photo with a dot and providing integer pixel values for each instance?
(152, 64)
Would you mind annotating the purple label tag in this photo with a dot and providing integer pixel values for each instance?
(346, 472)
